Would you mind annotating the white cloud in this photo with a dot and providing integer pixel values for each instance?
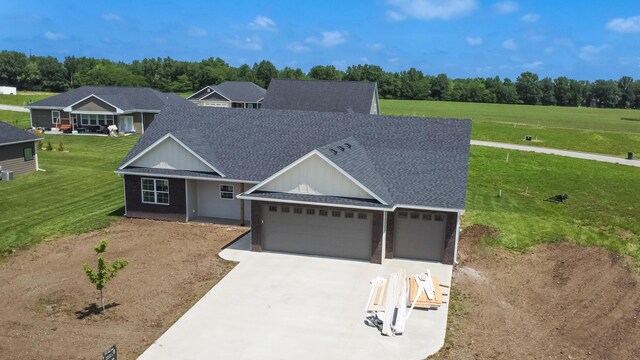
(364, 60)
(506, 7)
(393, 60)
(533, 65)
(263, 23)
(340, 64)
(111, 17)
(590, 51)
(430, 9)
(530, 18)
(474, 41)
(328, 39)
(375, 47)
(549, 50)
(54, 36)
(253, 43)
(297, 47)
(628, 25)
(196, 32)
(510, 44)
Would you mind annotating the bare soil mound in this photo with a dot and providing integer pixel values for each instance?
(557, 301)
(48, 306)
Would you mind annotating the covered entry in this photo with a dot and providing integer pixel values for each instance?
(419, 235)
(317, 231)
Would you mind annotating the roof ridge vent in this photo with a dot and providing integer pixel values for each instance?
(347, 145)
(341, 148)
(333, 151)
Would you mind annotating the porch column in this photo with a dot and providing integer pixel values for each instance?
(241, 206)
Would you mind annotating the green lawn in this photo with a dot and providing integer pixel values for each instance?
(603, 206)
(607, 131)
(24, 97)
(17, 119)
(78, 192)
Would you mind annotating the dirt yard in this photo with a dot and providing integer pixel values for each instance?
(557, 301)
(47, 302)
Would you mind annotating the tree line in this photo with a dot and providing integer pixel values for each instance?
(47, 73)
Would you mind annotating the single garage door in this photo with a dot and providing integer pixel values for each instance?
(419, 235)
(317, 231)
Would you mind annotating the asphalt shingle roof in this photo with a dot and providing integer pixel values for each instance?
(320, 95)
(242, 91)
(323, 199)
(11, 134)
(125, 98)
(420, 161)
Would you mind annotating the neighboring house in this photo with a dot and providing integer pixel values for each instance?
(323, 95)
(94, 108)
(8, 90)
(331, 184)
(235, 94)
(17, 150)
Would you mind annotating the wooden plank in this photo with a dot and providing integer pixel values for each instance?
(423, 301)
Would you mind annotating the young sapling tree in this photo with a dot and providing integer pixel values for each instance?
(106, 271)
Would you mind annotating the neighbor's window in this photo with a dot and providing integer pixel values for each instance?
(426, 216)
(226, 192)
(362, 216)
(55, 116)
(335, 213)
(93, 119)
(297, 210)
(402, 215)
(415, 216)
(155, 191)
(438, 217)
(323, 212)
(348, 214)
(273, 208)
(284, 209)
(28, 154)
(311, 211)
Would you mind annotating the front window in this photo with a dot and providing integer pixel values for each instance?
(55, 117)
(155, 191)
(94, 119)
(28, 154)
(226, 192)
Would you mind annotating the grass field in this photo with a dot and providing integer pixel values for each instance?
(24, 97)
(607, 131)
(602, 210)
(17, 119)
(78, 192)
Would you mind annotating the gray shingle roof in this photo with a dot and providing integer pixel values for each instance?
(241, 91)
(323, 199)
(169, 172)
(420, 161)
(320, 95)
(11, 134)
(125, 98)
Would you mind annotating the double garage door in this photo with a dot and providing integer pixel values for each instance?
(419, 235)
(317, 231)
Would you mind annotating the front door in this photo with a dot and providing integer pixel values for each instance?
(126, 124)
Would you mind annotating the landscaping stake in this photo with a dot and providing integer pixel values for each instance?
(507, 157)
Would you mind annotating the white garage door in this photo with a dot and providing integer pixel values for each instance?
(317, 231)
(419, 235)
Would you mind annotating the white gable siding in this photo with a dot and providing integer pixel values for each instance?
(315, 176)
(374, 105)
(170, 155)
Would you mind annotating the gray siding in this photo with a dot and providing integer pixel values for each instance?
(147, 120)
(42, 117)
(12, 158)
(175, 211)
(93, 104)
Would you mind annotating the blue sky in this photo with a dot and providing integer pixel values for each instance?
(462, 38)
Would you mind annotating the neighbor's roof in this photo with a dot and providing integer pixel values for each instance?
(320, 95)
(125, 98)
(10, 134)
(404, 160)
(244, 91)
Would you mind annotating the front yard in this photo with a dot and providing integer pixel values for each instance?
(45, 294)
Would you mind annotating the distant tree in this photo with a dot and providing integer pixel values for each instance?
(548, 96)
(109, 74)
(29, 77)
(265, 71)
(627, 96)
(606, 93)
(328, 72)
(105, 272)
(562, 91)
(440, 86)
(289, 73)
(245, 73)
(528, 88)
(12, 64)
(52, 73)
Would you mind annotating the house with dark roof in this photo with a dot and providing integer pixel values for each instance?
(347, 185)
(234, 94)
(323, 95)
(94, 108)
(17, 150)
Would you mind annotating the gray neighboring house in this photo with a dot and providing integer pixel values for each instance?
(94, 108)
(356, 186)
(234, 94)
(17, 150)
(323, 95)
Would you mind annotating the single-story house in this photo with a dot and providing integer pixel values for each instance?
(18, 150)
(8, 90)
(235, 94)
(94, 108)
(356, 186)
(323, 95)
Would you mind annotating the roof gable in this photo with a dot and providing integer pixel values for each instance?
(11, 135)
(320, 95)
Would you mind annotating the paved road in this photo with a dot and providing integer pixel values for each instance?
(573, 154)
(13, 108)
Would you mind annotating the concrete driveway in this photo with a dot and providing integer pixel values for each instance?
(278, 306)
